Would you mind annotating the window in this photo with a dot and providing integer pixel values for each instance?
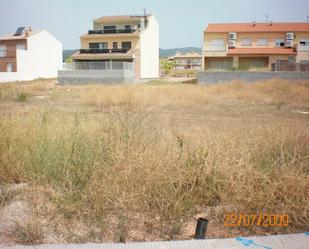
(127, 26)
(3, 51)
(97, 45)
(126, 45)
(279, 43)
(262, 42)
(304, 42)
(115, 45)
(9, 67)
(21, 46)
(246, 42)
(109, 29)
(93, 45)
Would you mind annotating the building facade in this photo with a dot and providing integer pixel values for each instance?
(121, 42)
(191, 60)
(28, 55)
(254, 46)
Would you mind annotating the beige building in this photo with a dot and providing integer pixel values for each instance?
(121, 41)
(191, 60)
(254, 45)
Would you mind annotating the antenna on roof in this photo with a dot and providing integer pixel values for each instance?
(144, 12)
(267, 18)
(308, 18)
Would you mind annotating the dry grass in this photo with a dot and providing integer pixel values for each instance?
(141, 160)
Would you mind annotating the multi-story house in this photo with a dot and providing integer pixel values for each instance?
(28, 55)
(254, 45)
(191, 60)
(117, 42)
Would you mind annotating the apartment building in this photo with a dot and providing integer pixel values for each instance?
(28, 55)
(129, 43)
(254, 46)
(192, 60)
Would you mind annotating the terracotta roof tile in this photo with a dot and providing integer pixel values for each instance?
(260, 51)
(258, 27)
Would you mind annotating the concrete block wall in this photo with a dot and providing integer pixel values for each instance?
(205, 77)
(79, 77)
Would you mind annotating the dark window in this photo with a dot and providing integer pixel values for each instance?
(126, 45)
(127, 26)
(115, 45)
(93, 45)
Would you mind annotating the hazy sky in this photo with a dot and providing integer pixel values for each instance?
(181, 21)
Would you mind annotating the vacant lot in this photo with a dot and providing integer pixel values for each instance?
(143, 162)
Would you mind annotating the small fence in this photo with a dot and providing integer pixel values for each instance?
(102, 65)
(290, 66)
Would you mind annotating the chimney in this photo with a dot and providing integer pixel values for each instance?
(270, 23)
(253, 23)
(28, 31)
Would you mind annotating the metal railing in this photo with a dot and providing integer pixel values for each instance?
(100, 65)
(111, 31)
(104, 51)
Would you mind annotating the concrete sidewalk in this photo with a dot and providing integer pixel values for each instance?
(290, 241)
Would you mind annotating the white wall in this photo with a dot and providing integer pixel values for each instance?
(42, 59)
(150, 50)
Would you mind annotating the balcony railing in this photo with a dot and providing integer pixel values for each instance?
(104, 51)
(110, 31)
(302, 48)
(215, 48)
(7, 53)
(100, 65)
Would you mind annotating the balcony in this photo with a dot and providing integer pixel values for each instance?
(104, 51)
(302, 48)
(215, 48)
(110, 31)
(8, 53)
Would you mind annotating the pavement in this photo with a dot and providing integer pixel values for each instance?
(289, 241)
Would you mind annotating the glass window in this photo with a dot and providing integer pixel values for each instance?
(262, 42)
(126, 45)
(115, 45)
(21, 46)
(279, 42)
(304, 42)
(246, 42)
(2, 51)
(94, 45)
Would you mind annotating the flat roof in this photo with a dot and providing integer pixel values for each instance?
(257, 27)
(119, 18)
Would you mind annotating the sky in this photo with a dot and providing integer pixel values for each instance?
(181, 21)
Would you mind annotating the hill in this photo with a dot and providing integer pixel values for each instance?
(173, 51)
(163, 52)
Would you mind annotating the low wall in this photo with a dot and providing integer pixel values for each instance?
(206, 77)
(95, 77)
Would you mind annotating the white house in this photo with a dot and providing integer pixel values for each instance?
(126, 46)
(29, 55)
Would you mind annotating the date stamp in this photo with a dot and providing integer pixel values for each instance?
(260, 220)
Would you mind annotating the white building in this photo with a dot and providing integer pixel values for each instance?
(128, 44)
(29, 55)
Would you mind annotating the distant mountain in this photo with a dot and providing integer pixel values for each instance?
(173, 51)
(163, 52)
(67, 53)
